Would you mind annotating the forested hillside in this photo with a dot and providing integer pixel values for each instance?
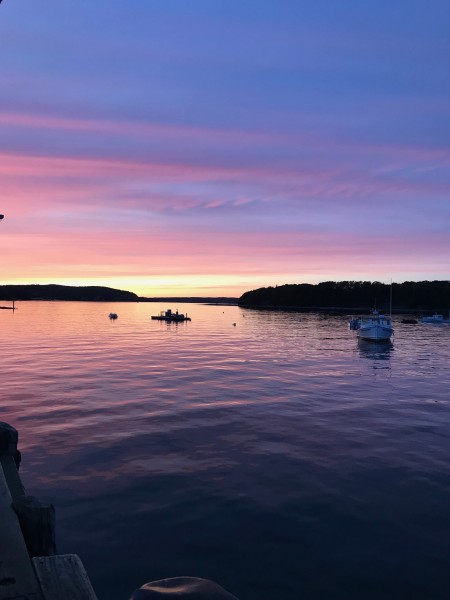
(65, 292)
(410, 295)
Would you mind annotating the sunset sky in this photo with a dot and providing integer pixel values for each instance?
(209, 147)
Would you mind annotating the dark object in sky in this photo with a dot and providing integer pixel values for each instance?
(1, 216)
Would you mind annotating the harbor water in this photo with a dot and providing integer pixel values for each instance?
(269, 451)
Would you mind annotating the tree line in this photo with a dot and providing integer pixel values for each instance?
(65, 292)
(363, 295)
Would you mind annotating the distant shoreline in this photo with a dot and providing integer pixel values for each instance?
(220, 301)
(328, 297)
(94, 293)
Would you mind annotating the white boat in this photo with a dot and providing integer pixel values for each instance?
(376, 328)
(433, 319)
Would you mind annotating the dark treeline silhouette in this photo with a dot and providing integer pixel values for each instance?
(65, 292)
(362, 295)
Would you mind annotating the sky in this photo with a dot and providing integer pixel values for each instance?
(210, 147)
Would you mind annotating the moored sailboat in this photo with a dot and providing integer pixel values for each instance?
(376, 328)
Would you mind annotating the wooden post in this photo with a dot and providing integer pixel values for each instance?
(17, 577)
(8, 439)
(27, 529)
(37, 521)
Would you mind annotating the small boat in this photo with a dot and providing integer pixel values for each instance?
(409, 321)
(171, 317)
(434, 319)
(113, 316)
(376, 328)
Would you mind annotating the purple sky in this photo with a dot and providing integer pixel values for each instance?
(211, 147)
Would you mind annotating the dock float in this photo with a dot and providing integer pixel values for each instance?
(171, 317)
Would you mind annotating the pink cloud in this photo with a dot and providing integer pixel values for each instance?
(116, 216)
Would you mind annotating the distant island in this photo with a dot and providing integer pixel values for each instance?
(352, 295)
(92, 294)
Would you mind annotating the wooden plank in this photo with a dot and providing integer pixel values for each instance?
(63, 577)
(17, 578)
(12, 476)
(5, 494)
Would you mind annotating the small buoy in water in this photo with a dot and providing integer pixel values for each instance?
(112, 316)
(234, 324)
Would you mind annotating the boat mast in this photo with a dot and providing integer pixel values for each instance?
(390, 308)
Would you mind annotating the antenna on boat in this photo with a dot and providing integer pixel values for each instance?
(390, 301)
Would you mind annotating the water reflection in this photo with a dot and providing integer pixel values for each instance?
(379, 351)
(266, 432)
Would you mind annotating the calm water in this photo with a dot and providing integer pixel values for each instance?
(278, 457)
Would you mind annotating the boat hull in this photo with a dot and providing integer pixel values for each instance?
(376, 328)
(172, 319)
(375, 333)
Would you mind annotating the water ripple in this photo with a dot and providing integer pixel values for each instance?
(279, 456)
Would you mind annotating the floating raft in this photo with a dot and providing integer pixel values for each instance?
(171, 317)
